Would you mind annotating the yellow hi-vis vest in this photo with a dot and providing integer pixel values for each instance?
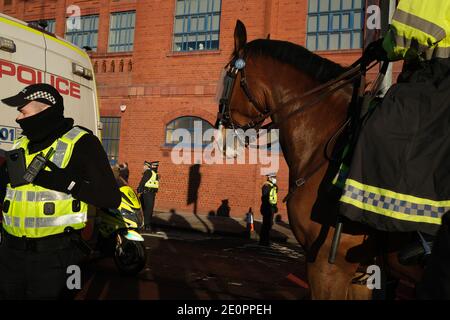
(35, 212)
(425, 21)
(153, 181)
(273, 195)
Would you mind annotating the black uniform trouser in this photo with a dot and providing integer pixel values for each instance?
(267, 213)
(36, 275)
(148, 203)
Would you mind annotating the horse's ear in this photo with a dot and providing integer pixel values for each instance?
(240, 37)
(268, 36)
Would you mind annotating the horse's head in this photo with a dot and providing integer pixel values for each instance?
(241, 105)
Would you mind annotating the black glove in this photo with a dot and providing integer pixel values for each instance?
(57, 179)
(374, 51)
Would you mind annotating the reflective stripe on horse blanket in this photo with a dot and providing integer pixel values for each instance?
(399, 178)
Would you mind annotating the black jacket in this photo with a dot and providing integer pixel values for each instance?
(95, 183)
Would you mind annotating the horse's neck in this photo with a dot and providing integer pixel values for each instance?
(303, 135)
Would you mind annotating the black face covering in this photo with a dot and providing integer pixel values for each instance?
(45, 127)
(38, 127)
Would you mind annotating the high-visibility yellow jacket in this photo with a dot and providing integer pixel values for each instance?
(273, 194)
(153, 182)
(419, 27)
(35, 212)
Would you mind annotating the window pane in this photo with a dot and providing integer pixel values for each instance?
(178, 43)
(334, 42)
(345, 40)
(169, 136)
(201, 41)
(336, 22)
(184, 122)
(84, 24)
(203, 6)
(312, 23)
(201, 24)
(124, 21)
(358, 4)
(312, 6)
(323, 23)
(178, 25)
(346, 4)
(335, 5)
(324, 5)
(357, 43)
(345, 23)
(311, 43)
(192, 42)
(357, 21)
(193, 24)
(216, 5)
(180, 7)
(94, 38)
(215, 22)
(193, 6)
(322, 43)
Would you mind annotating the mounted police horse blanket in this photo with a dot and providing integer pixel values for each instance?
(399, 179)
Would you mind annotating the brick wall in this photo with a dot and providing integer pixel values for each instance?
(158, 85)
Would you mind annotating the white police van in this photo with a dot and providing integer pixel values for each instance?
(31, 55)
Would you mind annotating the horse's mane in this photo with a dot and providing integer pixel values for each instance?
(318, 68)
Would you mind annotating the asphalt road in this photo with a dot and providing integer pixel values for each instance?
(197, 266)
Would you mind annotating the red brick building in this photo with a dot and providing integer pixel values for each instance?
(159, 79)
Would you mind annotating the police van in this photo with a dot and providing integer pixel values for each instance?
(29, 55)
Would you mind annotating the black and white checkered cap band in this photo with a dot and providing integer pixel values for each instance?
(41, 94)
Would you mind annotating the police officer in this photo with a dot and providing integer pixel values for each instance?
(124, 171)
(148, 187)
(269, 198)
(42, 220)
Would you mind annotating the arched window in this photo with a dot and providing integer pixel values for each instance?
(195, 128)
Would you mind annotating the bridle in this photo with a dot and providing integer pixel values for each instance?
(237, 66)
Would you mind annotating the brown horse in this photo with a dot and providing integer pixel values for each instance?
(271, 78)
